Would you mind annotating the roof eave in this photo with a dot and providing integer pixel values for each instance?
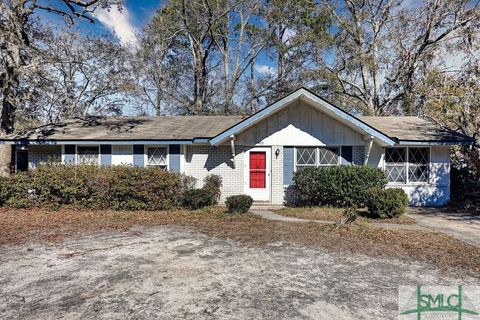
(436, 142)
(88, 142)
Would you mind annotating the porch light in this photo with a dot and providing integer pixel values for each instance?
(277, 153)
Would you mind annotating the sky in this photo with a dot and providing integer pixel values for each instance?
(135, 14)
(125, 24)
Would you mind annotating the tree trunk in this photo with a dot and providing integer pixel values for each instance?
(10, 101)
(5, 160)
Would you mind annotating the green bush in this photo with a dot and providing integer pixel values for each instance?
(18, 203)
(339, 186)
(197, 198)
(239, 203)
(386, 203)
(213, 183)
(115, 187)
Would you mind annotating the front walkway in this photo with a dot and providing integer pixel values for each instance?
(463, 226)
(270, 215)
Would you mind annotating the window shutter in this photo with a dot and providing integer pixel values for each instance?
(347, 155)
(358, 155)
(174, 157)
(69, 155)
(106, 154)
(138, 155)
(288, 165)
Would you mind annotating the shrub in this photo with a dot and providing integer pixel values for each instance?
(239, 203)
(197, 198)
(213, 183)
(118, 188)
(386, 203)
(18, 203)
(339, 186)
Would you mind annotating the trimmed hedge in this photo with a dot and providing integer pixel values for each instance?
(197, 198)
(339, 186)
(238, 203)
(113, 187)
(386, 203)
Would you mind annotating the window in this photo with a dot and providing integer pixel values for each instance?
(418, 159)
(157, 156)
(88, 155)
(396, 164)
(316, 157)
(306, 157)
(122, 155)
(404, 165)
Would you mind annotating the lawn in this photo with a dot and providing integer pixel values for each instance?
(335, 214)
(447, 253)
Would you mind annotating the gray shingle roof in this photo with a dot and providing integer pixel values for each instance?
(191, 127)
(412, 129)
(132, 128)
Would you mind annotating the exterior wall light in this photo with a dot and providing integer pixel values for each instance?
(277, 153)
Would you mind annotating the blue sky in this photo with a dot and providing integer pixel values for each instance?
(124, 24)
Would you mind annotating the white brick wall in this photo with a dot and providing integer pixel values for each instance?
(277, 192)
(43, 153)
(201, 161)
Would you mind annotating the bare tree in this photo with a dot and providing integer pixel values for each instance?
(78, 76)
(382, 48)
(190, 24)
(238, 48)
(15, 43)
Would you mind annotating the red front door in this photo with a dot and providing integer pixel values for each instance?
(258, 168)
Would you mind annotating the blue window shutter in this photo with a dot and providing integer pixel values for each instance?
(69, 155)
(358, 155)
(138, 155)
(347, 155)
(106, 154)
(174, 157)
(288, 165)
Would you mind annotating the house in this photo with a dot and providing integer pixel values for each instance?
(257, 155)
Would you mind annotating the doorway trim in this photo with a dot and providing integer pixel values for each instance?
(263, 194)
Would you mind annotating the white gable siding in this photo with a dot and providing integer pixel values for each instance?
(302, 125)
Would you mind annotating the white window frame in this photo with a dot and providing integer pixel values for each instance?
(145, 154)
(317, 156)
(77, 162)
(407, 167)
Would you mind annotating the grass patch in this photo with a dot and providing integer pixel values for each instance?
(335, 214)
(445, 252)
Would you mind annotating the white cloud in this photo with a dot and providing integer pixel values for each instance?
(119, 22)
(265, 70)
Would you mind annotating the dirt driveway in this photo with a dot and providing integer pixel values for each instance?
(169, 272)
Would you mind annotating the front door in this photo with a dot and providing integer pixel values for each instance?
(257, 174)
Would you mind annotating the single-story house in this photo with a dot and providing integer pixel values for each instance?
(256, 155)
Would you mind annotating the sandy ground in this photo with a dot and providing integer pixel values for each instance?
(168, 272)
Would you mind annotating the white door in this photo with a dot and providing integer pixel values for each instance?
(257, 173)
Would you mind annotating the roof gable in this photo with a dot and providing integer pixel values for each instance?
(311, 99)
